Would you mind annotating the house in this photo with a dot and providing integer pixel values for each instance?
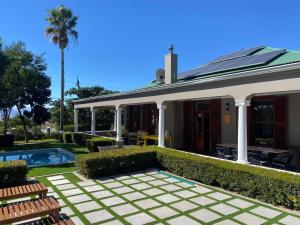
(246, 98)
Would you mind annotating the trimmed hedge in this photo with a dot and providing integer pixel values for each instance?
(6, 140)
(111, 162)
(93, 143)
(67, 137)
(13, 173)
(80, 138)
(267, 185)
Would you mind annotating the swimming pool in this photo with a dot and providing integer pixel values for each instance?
(40, 157)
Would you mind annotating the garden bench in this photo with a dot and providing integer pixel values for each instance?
(23, 191)
(29, 209)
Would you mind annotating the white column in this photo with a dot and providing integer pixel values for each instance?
(93, 122)
(75, 120)
(115, 121)
(242, 131)
(161, 125)
(119, 123)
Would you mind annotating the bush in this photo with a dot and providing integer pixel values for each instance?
(112, 162)
(67, 137)
(13, 173)
(93, 143)
(80, 138)
(267, 185)
(6, 140)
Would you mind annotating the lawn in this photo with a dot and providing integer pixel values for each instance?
(48, 143)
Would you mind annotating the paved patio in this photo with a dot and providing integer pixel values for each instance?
(156, 197)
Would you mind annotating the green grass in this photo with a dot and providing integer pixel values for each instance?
(48, 143)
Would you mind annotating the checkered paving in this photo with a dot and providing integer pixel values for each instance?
(154, 197)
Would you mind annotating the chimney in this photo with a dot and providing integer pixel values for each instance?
(170, 66)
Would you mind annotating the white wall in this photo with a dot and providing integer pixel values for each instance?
(229, 131)
(294, 119)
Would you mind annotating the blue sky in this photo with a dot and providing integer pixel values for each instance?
(122, 43)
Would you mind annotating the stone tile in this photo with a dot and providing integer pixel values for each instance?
(167, 198)
(131, 181)
(123, 177)
(113, 184)
(88, 206)
(123, 190)
(61, 202)
(172, 180)
(226, 222)
(58, 182)
(65, 187)
(124, 209)
(249, 219)
(205, 215)
(71, 192)
(86, 183)
(160, 176)
(93, 188)
(224, 209)
(50, 189)
(185, 194)
(182, 220)
(19, 200)
(67, 211)
(114, 222)
(153, 191)
(157, 182)
(240, 203)
(98, 216)
(202, 200)
(54, 194)
(290, 220)
(184, 206)
(136, 175)
(147, 178)
(78, 198)
(141, 186)
(185, 184)
(163, 212)
(102, 194)
(112, 201)
(77, 221)
(139, 219)
(219, 196)
(105, 180)
(147, 203)
(265, 212)
(58, 177)
(134, 196)
(201, 190)
(170, 187)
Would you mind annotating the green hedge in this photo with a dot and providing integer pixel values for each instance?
(13, 173)
(267, 185)
(112, 162)
(6, 140)
(93, 143)
(67, 137)
(80, 138)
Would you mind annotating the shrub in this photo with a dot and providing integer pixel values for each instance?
(67, 137)
(267, 185)
(112, 162)
(6, 140)
(93, 143)
(80, 138)
(13, 173)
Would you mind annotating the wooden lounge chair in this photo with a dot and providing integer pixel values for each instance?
(66, 222)
(23, 191)
(21, 211)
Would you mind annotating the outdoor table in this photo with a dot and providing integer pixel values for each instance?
(256, 148)
(155, 138)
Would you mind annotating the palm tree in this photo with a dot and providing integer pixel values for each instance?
(62, 25)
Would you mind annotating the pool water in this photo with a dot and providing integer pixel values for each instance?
(40, 157)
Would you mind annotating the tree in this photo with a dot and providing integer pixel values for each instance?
(25, 75)
(62, 25)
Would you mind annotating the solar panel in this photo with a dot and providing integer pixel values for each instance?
(238, 54)
(237, 63)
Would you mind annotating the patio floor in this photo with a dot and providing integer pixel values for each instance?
(156, 197)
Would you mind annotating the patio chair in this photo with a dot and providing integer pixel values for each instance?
(26, 210)
(140, 137)
(283, 161)
(259, 159)
(224, 153)
(23, 191)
